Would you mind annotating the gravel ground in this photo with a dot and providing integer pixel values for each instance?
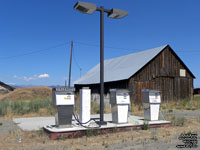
(152, 139)
(7, 126)
(185, 113)
(177, 113)
(152, 145)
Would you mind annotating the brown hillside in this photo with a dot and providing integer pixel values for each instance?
(28, 93)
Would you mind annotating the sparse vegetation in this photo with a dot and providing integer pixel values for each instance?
(145, 125)
(63, 138)
(92, 132)
(186, 104)
(95, 108)
(41, 132)
(154, 135)
(96, 132)
(35, 100)
(114, 130)
(170, 110)
(89, 133)
(168, 133)
(154, 138)
(28, 100)
(24, 107)
(178, 121)
(105, 144)
(1, 123)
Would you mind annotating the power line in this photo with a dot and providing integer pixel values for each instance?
(110, 47)
(127, 49)
(93, 45)
(34, 52)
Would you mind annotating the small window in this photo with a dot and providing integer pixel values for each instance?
(182, 73)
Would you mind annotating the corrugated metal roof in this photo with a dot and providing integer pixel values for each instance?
(120, 68)
(6, 86)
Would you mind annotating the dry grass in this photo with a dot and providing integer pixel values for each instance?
(28, 93)
(186, 104)
(95, 107)
(39, 107)
(27, 101)
(38, 140)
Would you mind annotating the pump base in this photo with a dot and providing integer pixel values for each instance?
(101, 122)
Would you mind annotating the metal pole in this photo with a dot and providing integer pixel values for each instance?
(102, 65)
(70, 64)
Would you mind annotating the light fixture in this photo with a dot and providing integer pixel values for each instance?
(117, 13)
(85, 7)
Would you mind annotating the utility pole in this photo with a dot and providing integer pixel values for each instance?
(70, 64)
(80, 72)
(65, 83)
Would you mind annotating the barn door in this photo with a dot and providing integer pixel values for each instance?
(167, 88)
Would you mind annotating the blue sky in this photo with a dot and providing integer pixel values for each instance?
(35, 36)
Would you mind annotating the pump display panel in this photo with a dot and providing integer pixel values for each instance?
(67, 99)
(154, 97)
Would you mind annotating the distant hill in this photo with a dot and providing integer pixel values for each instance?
(28, 93)
(30, 85)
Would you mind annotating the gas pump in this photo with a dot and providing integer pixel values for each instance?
(119, 100)
(63, 98)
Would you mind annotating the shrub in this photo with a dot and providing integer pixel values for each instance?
(96, 132)
(114, 129)
(95, 108)
(25, 107)
(178, 121)
(41, 132)
(170, 110)
(145, 125)
(89, 133)
(163, 107)
(185, 102)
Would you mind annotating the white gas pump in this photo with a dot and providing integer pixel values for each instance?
(84, 105)
(151, 102)
(63, 98)
(119, 100)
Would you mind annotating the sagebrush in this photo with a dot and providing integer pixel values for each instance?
(24, 107)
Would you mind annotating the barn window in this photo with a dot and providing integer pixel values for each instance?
(182, 73)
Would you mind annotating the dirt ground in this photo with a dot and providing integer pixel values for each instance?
(151, 139)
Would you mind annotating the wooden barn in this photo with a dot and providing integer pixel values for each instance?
(196, 91)
(158, 68)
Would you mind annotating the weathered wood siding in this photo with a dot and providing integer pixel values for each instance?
(95, 88)
(163, 73)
